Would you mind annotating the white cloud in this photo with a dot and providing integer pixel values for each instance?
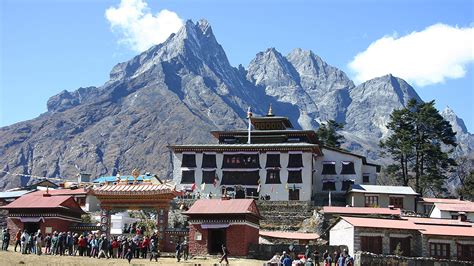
(431, 56)
(138, 28)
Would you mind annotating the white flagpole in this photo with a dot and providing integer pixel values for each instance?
(249, 115)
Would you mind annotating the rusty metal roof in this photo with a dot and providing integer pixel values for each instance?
(448, 201)
(63, 192)
(459, 207)
(226, 206)
(436, 227)
(289, 235)
(361, 210)
(40, 201)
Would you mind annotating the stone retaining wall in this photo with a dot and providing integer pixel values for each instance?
(369, 259)
(266, 252)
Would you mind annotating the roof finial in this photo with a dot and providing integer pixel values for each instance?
(270, 110)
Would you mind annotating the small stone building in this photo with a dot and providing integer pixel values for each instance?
(463, 211)
(214, 222)
(401, 197)
(416, 237)
(33, 212)
(424, 205)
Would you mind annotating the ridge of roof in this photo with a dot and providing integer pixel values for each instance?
(226, 206)
(441, 228)
(396, 190)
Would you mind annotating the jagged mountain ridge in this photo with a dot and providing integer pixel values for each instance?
(176, 92)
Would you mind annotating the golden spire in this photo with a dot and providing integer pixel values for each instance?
(270, 111)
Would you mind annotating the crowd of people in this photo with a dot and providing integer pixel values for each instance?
(86, 244)
(310, 258)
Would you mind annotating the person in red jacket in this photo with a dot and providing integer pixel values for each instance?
(82, 245)
(144, 247)
(115, 246)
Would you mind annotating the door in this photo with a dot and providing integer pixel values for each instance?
(31, 227)
(216, 238)
(294, 194)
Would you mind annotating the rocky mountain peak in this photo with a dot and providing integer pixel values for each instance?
(271, 68)
(456, 122)
(205, 27)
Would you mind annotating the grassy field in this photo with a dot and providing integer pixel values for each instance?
(16, 258)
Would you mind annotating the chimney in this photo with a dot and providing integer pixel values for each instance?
(46, 194)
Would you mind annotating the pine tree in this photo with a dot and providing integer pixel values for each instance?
(420, 143)
(327, 134)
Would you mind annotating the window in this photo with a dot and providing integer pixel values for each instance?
(465, 252)
(294, 194)
(208, 177)
(295, 160)
(273, 161)
(329, 185)
(396, 202)
(227, 190)
(347, 168)
(365, 178)
(371, 201)
(209, 161)
(404, 245)
(187, 177)
(294, 177)
(273, 177)
(241, 161)
(240, 178)
(346, 185)
(439, 250)
(189, 160)
(329, 168)
(371, 244)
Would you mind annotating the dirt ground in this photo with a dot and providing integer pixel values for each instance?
(16, 258)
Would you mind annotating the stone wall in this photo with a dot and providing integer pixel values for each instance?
(284, 215)
(369, 259)
(266, 252)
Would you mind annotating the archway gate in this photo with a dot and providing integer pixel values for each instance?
(136, 197)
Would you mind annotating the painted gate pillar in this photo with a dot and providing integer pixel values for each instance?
(161, 224)
(105, 221)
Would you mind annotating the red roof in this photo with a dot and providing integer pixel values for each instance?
(289, 235)
(361, 210)
(448, 230)
(437, 221)
(460, 207)
(435, 227)
(381, 223)
(448, 201)
(229, 206)
(38, 201)
(63, 192)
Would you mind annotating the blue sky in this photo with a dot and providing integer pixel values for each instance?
(49, 46)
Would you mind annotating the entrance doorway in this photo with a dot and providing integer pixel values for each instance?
(216, 238)
(31, 227)
(294, 194)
